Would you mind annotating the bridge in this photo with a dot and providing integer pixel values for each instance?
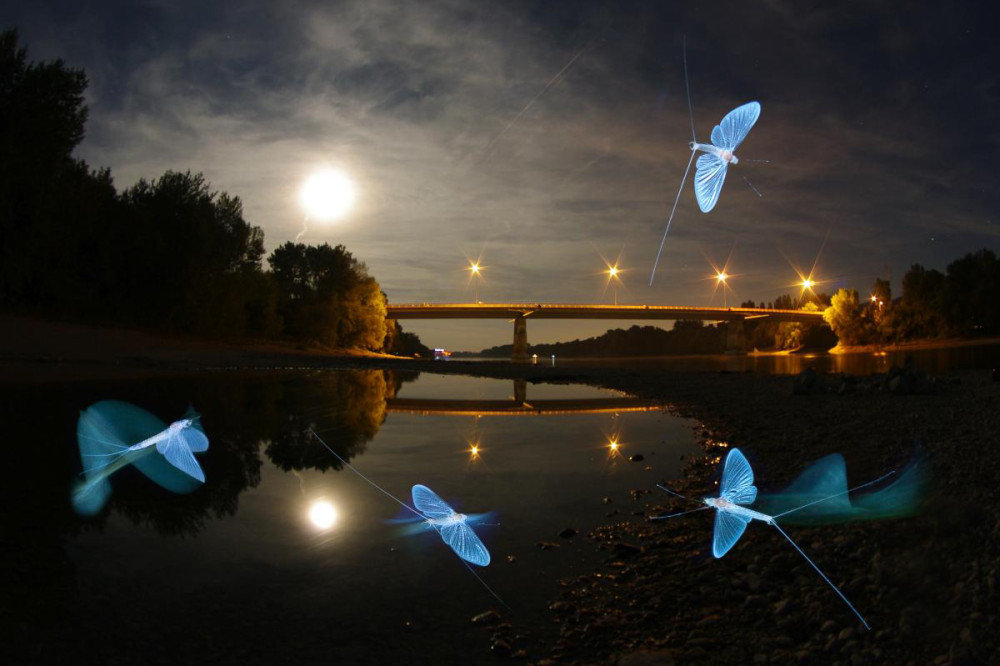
(520, 312)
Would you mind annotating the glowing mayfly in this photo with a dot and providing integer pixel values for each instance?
(103, 434)
(711, 171)
(435, 513)
(731, 519)
(726, 138)
(452, 526)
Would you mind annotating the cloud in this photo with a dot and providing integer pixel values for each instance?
(461, 133)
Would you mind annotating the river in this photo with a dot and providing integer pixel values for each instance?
(241, 571)
(936, 361)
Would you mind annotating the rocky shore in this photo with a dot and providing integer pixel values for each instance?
(928, 585)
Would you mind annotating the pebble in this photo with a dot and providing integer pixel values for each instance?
(560, 607)
(627, 548)
(783, 606)
(487, 618)
(500, 646)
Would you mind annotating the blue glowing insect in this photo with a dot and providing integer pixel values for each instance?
(731, 518)
(711, 171)
(436, 514)
(452, 526)
(828, 477)
(104, 434)
(726, 138)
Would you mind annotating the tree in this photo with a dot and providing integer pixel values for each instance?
(42, 114)
(194, 260)
(43, 190)
(843, 317)
(876, 310)
(972, 293)
(326, 295)
(403, 343)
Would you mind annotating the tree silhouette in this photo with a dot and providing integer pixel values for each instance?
(326, 295)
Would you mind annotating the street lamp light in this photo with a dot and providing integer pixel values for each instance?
(613, 272)
(721, 278)
(475, 274)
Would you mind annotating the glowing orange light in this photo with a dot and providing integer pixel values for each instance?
(474, 450)
(613, 273)
(474, 268)
(807, 284)
(721, 276)
(614, 445)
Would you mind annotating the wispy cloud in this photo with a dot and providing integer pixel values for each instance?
(436, 109)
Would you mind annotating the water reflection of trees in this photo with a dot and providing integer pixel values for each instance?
(241, 414)
(346, 409)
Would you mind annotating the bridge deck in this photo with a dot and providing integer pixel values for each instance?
(583, 311)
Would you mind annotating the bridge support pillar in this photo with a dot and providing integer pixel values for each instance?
(521, 390)
(519, 354)
(736, 337)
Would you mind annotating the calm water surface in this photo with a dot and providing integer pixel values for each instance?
(936, 361)
(237, 573)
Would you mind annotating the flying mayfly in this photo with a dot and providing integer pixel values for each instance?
(731, 519)
(453, 527)
(710, 173)
(105, 434)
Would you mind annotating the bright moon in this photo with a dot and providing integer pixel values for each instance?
(323, 514)
(327, 196)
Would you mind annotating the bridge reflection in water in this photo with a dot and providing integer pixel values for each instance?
(519, 405)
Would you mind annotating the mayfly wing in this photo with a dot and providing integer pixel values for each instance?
(194, 438)
(708, 180)
(177, 453)
(737, 480)
(99, 447)
(729, 134)
(465, 543)
(429, 504)
(194, 435)
(729, 528)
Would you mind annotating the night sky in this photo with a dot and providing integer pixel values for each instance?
(543, 136)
